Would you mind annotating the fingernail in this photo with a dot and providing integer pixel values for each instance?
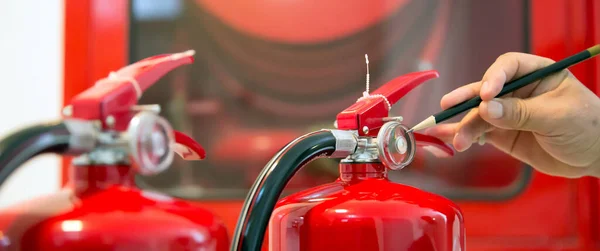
(494, 109)
(460, 143)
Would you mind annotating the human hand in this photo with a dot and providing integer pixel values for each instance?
(553, 124)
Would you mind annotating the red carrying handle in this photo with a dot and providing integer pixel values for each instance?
(368, 113)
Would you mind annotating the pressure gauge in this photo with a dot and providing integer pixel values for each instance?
(150, 141)
(396, 146)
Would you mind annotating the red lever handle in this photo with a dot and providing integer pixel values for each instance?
(147, 71)
(115, 95)
(366, 115)
(433, 145)
(400, 86)
(187, 148)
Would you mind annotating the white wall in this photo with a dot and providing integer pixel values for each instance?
(31, 73)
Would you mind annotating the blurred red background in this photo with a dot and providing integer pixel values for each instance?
(269, 71)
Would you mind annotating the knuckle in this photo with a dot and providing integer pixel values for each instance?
(548, 61)
(505, 66)
(506, 56)
(520, 113)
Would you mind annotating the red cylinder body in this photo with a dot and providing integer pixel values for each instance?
(103, 210)
(363, 210)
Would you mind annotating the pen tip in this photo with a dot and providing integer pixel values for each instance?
(594, 50)
(428, 122)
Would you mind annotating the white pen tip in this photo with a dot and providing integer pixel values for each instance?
(367, 58)
(429, 122)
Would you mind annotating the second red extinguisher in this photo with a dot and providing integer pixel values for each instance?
(113, 139)
(362, 209)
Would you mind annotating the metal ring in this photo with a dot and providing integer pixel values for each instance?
(139, 129)
(384, 133)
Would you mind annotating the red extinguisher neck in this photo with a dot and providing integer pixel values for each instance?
(90, 179)
(353, 172)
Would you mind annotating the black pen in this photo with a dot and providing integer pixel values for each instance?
(509, 87)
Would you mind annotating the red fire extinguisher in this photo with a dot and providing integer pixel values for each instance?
(362, 209)
(113, 139)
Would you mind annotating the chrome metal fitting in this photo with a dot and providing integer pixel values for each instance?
(366, 151)
(111, 148)
(345, 143)
(148, 141)
(83, 135)
(103, 156)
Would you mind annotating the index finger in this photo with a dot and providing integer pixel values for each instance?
(507, 67)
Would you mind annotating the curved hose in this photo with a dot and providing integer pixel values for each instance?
(260, 202)
(21, 146)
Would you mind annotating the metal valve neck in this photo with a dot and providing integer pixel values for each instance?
(366, 151)
(111, 149)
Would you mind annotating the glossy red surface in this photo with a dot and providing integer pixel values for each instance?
(363, 210)
(103, 210)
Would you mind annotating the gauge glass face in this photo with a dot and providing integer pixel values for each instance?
(152, 139)
(396, 146)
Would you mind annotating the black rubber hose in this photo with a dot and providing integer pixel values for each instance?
(260, 202)
(19, 147)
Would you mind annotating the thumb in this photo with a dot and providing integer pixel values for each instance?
(514, 114)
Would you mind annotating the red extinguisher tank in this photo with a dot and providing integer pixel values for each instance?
(114, 139)
(362, 209)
